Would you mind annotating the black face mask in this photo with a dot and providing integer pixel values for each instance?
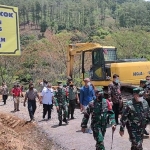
(31, 88)
(71, 85)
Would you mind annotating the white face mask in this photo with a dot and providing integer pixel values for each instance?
(89, 83)
(140, 99)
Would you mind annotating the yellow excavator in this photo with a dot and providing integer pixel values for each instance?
(104, 63)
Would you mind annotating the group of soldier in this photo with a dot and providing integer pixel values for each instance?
(135, 115)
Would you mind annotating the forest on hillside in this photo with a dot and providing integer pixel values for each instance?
(48, 26)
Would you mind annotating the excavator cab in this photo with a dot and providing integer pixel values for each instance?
(101, 60)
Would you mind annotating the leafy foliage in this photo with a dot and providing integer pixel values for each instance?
(121, 23)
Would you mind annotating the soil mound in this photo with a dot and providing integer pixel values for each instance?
(17, 134)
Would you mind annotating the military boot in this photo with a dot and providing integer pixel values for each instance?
(65, 120)
(60, 123)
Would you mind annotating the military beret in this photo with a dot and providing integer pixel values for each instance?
(138, 90)
(143, 81)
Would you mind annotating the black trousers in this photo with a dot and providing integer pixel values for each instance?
(116, 111)
(5, 98)
(31, 108)
(71, 108)
(47, 108)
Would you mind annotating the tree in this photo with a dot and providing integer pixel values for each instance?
(43, 27)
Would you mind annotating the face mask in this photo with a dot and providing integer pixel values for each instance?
(89, 83)
(117, 81)
(140, 99)
(31, 88)
(71, 85)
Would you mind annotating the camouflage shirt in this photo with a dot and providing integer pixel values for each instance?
(60, 97)
(135, 114)
(114, 92)
(99, 112)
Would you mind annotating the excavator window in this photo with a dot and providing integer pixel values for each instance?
(110, 54)
(99, 68)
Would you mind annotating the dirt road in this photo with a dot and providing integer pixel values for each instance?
(70, 137)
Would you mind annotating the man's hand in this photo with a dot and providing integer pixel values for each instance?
(121, 133)
(57, 107)
(78, 101)
(113, 127)
(83, 130)
(24, 104)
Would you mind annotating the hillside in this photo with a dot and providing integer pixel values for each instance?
(47, 27)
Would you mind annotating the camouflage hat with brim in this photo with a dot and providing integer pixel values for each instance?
(138, 90)
(143, 81)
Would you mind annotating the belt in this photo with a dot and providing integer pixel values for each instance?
(31, 99)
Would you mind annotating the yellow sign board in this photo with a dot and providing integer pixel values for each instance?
(9, 31)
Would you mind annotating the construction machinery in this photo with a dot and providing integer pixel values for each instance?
(104, 63)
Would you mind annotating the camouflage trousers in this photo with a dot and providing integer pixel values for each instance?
(62, 109)
(136, 138)
(98, 134)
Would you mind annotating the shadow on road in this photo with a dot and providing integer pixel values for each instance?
(145, 137)
(79, 131)
(56, 126)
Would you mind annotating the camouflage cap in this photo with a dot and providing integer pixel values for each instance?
(59, 82)
(138, 90)
(143, 81)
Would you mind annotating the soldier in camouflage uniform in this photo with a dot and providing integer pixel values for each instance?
(114, 95)
(61, 103)
(143, 85)
(135, 116)
(99, 110)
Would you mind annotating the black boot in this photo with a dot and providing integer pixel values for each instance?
(60, 123)
(72, 117)
(65, 120)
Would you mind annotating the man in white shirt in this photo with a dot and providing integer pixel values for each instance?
(47, 97)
